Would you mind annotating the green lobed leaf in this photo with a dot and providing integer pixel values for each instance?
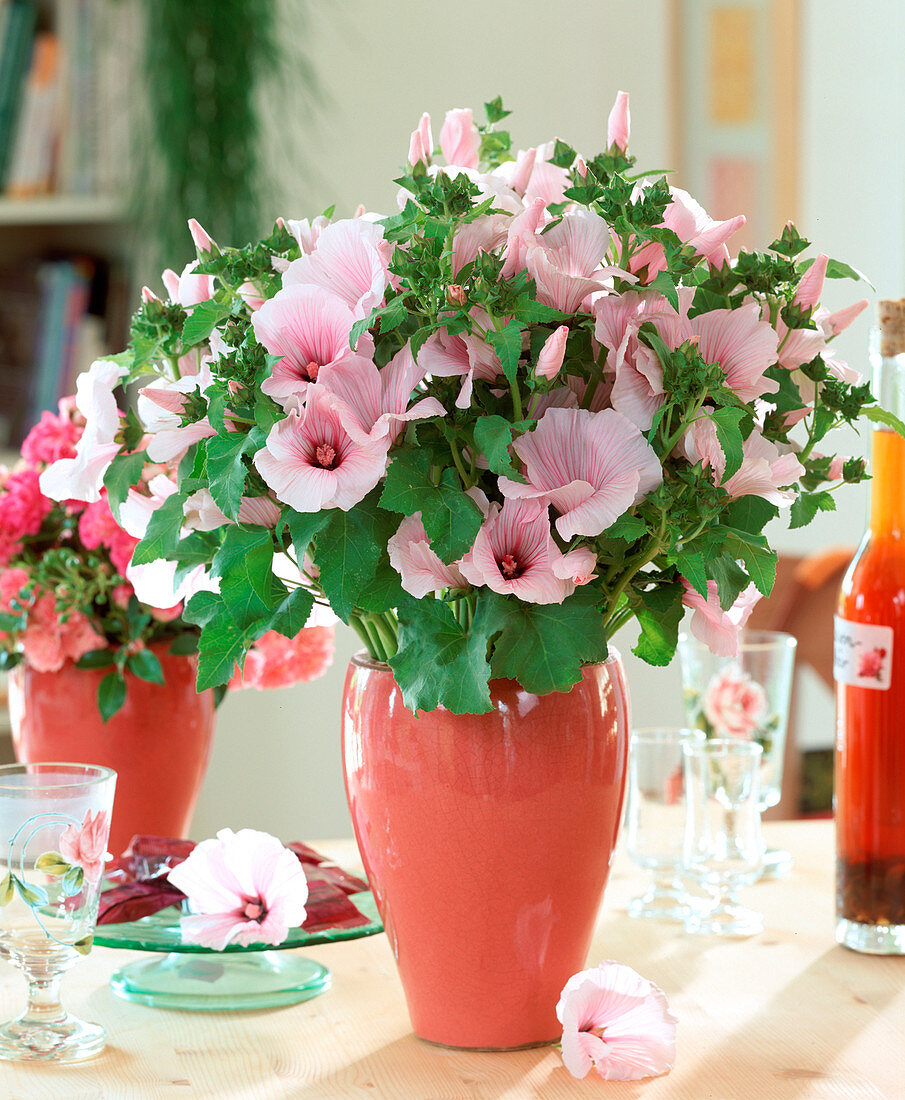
(726, 420)
(507, 343)
(659, 612)
(145, 665)
(493, 436)
(226, 470)
(450, 517)
(122, 473)
(730, 578)
(244, 564)
(221, 648)
(202, 321)
(111, 694)
(303, 526)
(807, 506)
(543, 646)
(385, 591)
(876, 415)
(201, 608)
(292, 613)
(760, 561)
(749, 513)
(439, 662)
(162, 535)
(691, 566)
(629, 528)
(348, 550)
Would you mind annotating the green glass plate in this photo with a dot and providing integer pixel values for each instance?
(160, 932)
(234, 979)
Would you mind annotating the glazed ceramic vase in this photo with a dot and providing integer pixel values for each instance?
(158, 743)
(487, 840)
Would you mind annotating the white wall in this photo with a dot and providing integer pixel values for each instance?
(276, 761)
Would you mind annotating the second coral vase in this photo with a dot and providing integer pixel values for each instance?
(487, 840)
(158, 743)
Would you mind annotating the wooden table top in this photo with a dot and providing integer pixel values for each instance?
(785, 1015)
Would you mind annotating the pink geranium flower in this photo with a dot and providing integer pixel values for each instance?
(97, 527)
(54, 436)
(735, 705)
(22, 510)
(421, 568)
(81, 477)
(592, 467)
(48, 640)
(278, 662)
(311, 462)
(242, 888)
(460, 142)
(514, 554)
(86, 846)
(350, 260)
(12, 581)
(309, 328)
(616, 1022)
(373, 405)
(710, 624)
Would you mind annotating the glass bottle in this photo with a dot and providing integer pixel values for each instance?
(869, 669)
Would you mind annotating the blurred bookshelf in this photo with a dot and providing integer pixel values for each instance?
(66, 68)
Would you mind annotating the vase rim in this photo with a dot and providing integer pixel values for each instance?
(362, 659)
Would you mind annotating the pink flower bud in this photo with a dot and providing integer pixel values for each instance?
(148, 295)
(619, 123)
(455, 295)
(837, 467)
(421, 145)
(581, 167)
(811, 286)
(524, 168)
(201, 237)
(552, 353)
(460, 141)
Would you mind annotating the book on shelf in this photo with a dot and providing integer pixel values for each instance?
(64, 117)
(55, 318)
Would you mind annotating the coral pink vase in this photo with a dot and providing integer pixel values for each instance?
(158, 744)
(487, 840)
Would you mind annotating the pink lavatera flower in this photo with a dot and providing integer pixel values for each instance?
(81, 477)
(242, 888)
(521, 234)
(311, 462)
(161, 408)
(565, 262)
(552, 353)
(349, 260)
(462, 355)
(764, 469)
(202, 514)
(305, 232)
(735, 705)
(618, 125)
(532, 176)
(616, 1022)
(421, 569)
(743, 345)
(373, 404)
(710, 624)
(421, 145)
(484, 234)
(309, 327)
(577, 566)
(460, 141)
(86, 846)
(188, 289)
(514, 553)
(592, 467)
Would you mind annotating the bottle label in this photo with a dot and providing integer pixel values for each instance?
(862, 654)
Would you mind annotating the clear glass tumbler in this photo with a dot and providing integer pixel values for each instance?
(745, 698)
(54, 825)
(655, 820)
(723, 848)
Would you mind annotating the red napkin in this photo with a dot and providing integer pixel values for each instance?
(142, 887)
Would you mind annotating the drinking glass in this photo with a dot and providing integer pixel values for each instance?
(745, 697)
(54, 824)
(655, 820)
(723, 848)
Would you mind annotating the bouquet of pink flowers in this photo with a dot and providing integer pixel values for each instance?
(67, 576)
(539, 400)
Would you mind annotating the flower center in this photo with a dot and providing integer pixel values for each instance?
(510, 567)
(254, 909)
(326, 456)
(311, 370)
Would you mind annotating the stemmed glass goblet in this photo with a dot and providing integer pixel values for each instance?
(723, 847)
(655, 820)
(54, 825)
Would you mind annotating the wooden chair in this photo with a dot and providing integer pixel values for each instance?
(802, 603)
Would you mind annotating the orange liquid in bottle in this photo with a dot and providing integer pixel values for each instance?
(870, 722)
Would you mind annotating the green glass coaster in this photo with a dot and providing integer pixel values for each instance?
(187, 976)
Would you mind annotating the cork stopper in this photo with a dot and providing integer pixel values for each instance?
(891, 315)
